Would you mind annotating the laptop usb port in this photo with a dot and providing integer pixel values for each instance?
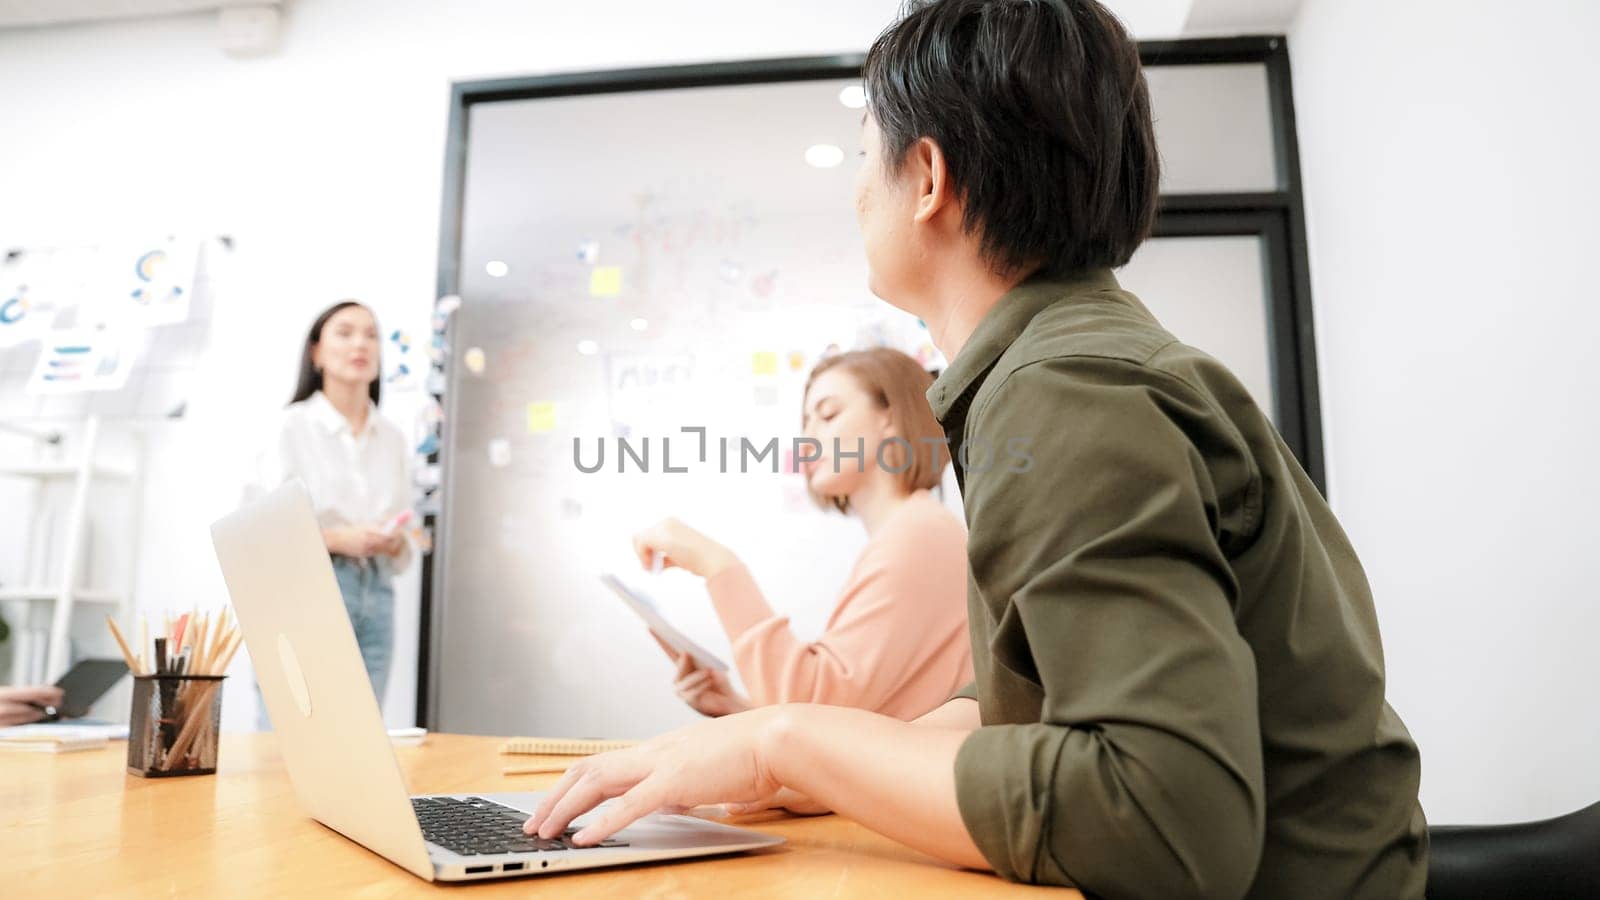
(512, 867)
(479, 870)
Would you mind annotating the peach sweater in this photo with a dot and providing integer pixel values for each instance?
(897, 640)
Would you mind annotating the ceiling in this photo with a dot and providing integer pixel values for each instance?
(1224, 17)
(34, 13)
(1147, 19)
(1165, 19)
(1151, 18)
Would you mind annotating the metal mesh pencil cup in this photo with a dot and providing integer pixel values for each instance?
(174, 724)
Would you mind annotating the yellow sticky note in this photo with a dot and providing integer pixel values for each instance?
(541, 418)
(605, 281)
(764, 362)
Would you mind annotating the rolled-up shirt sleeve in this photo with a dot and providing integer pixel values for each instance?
(1141, 775)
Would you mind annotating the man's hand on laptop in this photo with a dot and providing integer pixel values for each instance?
(716, 761)
(893, 777)
(786, 799)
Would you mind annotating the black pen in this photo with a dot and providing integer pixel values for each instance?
(161, 656)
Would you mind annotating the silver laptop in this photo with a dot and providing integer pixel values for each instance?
(336, 748)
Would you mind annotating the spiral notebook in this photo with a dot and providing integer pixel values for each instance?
(536, 746)
(52, 743)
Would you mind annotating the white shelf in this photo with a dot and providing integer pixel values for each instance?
(65, 470)
(110, 598)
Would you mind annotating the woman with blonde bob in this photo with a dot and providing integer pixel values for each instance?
(896, 642)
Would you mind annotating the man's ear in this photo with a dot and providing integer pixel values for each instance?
(926, 162)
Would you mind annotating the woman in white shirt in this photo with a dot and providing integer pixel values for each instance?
(354, 464)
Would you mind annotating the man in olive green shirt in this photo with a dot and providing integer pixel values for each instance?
(1178, 665)
(1179, 678)
(1179, 674)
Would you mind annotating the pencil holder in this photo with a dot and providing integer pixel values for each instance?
(173, 728)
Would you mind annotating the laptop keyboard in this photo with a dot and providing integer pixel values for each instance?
(477, 827)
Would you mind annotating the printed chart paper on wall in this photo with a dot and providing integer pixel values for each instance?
(94, 320)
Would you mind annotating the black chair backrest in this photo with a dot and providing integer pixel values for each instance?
(1554, 859)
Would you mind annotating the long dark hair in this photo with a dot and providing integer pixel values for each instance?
(310, 376)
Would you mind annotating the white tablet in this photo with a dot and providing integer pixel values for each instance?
(641, 604)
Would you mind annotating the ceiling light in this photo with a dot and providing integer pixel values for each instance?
(638, 324)
(854, 96)
(824, 156)
(588, 348)
(496, 268)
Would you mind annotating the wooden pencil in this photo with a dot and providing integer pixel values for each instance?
(127, 655)
(198, 645)
(191, 725)
(225, 633)
(227, 657)
(533, 770)
(214, 640)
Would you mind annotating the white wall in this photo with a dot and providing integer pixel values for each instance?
(324, 162)
(1449, 152)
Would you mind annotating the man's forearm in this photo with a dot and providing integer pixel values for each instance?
(894, 777)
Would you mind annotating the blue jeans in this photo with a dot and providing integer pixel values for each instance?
(369, 601)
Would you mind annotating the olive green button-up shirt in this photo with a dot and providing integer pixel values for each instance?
(1177, 660)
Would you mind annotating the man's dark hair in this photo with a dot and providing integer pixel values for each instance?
(1041, 112)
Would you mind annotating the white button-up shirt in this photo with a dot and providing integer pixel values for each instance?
(353, 479)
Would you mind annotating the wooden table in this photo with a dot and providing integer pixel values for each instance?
(76, 825)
